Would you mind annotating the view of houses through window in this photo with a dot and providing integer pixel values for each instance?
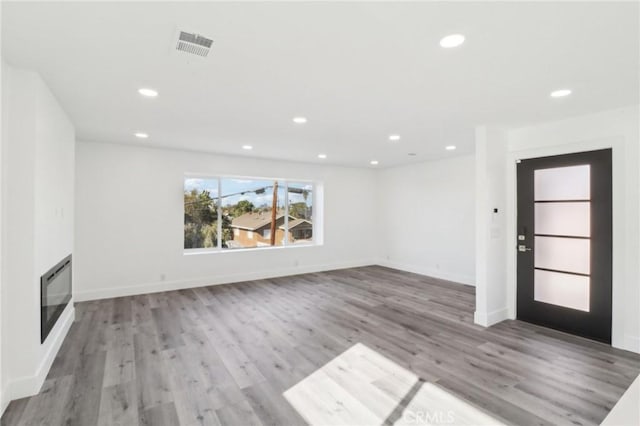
(232, 213)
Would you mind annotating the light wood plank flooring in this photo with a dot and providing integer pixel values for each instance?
(232, 354)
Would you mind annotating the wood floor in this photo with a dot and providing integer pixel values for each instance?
(227, 354)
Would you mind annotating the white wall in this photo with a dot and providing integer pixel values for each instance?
(3, 138)
(426, 218)
(3, 134)
(37, 215)
(616, 129)
(129, 221)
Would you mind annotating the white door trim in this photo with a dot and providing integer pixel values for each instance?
(617, 144)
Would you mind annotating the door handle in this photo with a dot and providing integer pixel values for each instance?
(523, 248)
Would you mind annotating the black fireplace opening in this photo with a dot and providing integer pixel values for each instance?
(55, 294)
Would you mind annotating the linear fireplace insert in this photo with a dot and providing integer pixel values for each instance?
(55, 293)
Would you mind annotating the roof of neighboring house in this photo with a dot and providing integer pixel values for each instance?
(296, 222)
(253, 221)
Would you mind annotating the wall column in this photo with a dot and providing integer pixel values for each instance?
(491, 188)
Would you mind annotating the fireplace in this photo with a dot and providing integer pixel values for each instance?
(55, 294)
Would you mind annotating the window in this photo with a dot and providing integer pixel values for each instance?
(241, 213)
(253, 206)
(200, 213)
(300, 213)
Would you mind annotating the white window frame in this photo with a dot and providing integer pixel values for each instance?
(316, 188)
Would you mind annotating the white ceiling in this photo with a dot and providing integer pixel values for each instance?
(358, 71)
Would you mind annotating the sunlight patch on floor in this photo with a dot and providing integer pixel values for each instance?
(361, 387)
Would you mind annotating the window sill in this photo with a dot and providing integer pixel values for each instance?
(196, 252)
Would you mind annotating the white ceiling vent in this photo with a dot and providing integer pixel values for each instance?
(193, 43)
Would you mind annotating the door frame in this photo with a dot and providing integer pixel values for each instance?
(619, 264)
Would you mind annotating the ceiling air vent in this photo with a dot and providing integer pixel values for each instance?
(193, 43)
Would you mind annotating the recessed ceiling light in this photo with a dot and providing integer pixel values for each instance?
(141, 135)
(247, 147)
(149, 93)
(300, 120)
(453, 40)
(373, 162)
(412, 154)
(394, 138)
(322, 156)
(560, 93)
(450, 147)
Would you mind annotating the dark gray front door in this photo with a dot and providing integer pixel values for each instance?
(564, 243)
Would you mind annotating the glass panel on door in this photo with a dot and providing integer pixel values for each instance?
(563, 183)
(556, 288)
(563, 254)
(562, 198)
(560, 218)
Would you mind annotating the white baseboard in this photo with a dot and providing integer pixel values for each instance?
(626, 411)
(22, 387)
(487, 319)
(107, 293)
(4, 401)
(429, 272)
(631, 343)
